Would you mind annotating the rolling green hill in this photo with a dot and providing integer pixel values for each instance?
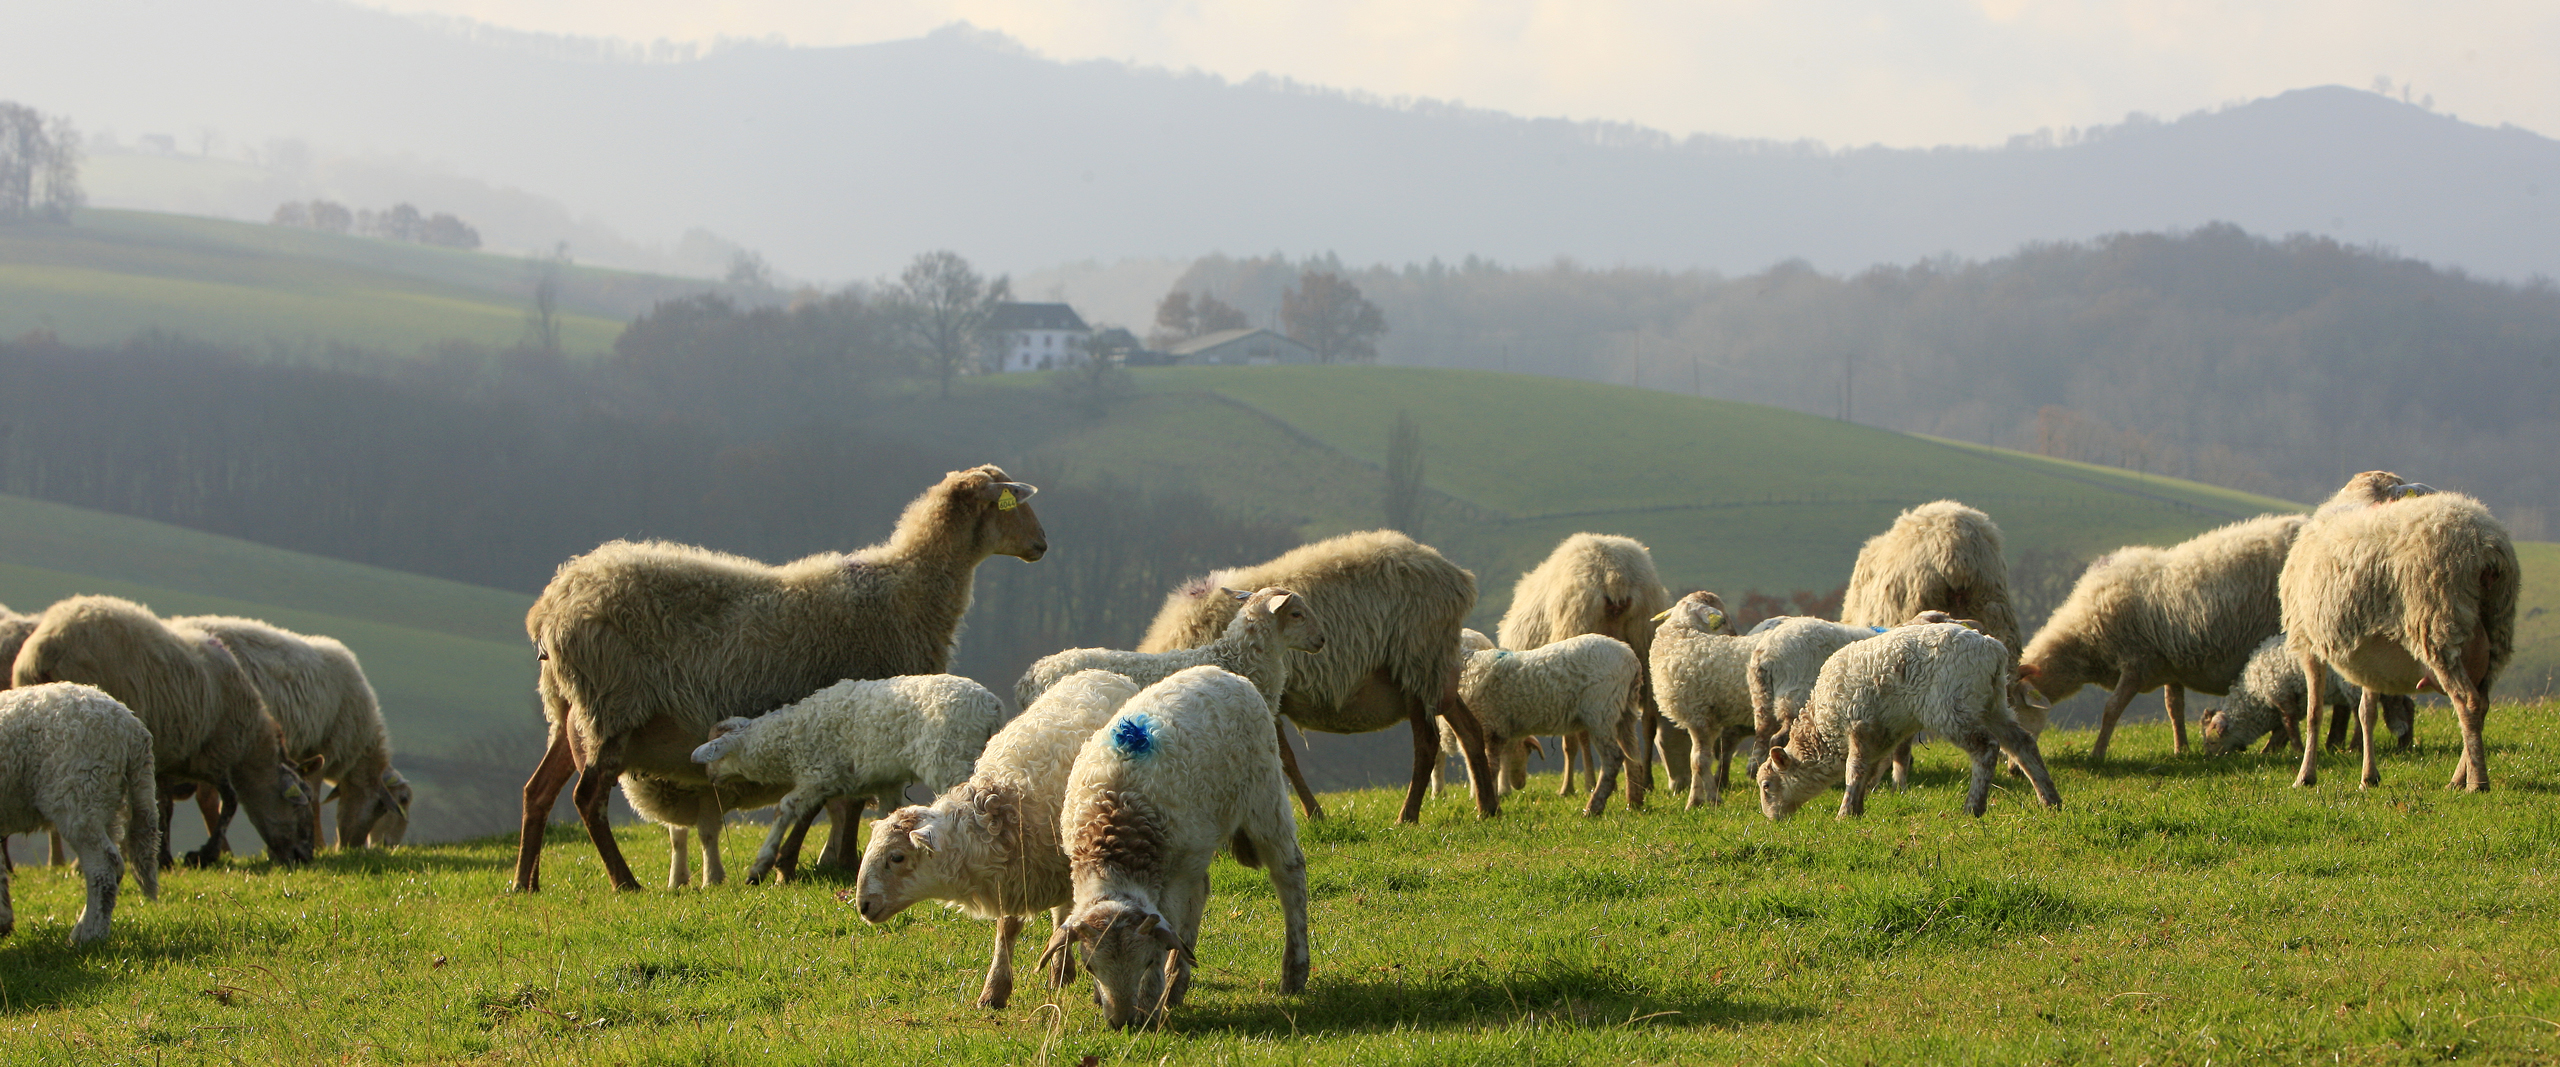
(116, 273)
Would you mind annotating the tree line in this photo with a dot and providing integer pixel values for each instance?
(39, 166)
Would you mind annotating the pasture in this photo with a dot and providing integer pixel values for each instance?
(2177, 910)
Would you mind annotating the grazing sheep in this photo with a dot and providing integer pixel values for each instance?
(2415, 589)
(852, 739)
(644, 646)
(2267, 702)
(1186, 768)
(1392, 609)
(75, 761)
(1875, 694)
(317, 693)
(207, 722)
(1587, 682)
(1272, 623)
(1940, 556)
(14, 628)
(1785, 664)
(2178, 618)
(1595, 584)
(1701, 679)
(990, 845)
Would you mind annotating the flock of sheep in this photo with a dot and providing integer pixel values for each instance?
(705, 683)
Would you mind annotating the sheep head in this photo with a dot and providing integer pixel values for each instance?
(1003, 520)
(727, 737)
(1133, 954)
(1701, 611)
(1786, 782)
(911, 857)
(1299, 627)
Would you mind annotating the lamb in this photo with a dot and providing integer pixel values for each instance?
(333, 730)
(1272, 623)
(2399, 593)
(644, 646)
(1595, 584)
(1700, 676)
(684, 808)
(1187, 767)
(1587, 682)
(2267, 702)
(1939, 556)
(2183, 617)
(207, 722)
(1392, 609)
(1784, 667)
(853, 738)
(990, 845)
(75, 760)
(1875, 694)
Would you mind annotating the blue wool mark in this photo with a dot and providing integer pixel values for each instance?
(1501, 653)
(1134, 736)
(1879, 629)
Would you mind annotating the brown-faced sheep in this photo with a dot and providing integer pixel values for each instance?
(207, 722)
(73, 759)
(1596, 584)
(1940, 556)
(1392, 609)
(2183, 617)
(2399, 594)
(333, 730)
(644, 646)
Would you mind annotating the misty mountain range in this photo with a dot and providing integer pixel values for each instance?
(841, 163)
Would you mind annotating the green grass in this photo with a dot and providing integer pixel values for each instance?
(2176, 910)
(118, 273)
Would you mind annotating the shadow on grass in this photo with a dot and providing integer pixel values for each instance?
(40, 971)
(1471, 994)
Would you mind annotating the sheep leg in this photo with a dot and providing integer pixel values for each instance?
(842, 815)
(1725, 747)
(540, 792)
(1513, 771)
(2127, 684)
(1059, 957)
(1185, 917)
(1986, 762)
(102, 868)
(2315, 679)
(2471, 709)
(1576, 746)
(999, 987)
(796, 806)
(708, 832)
(1297, 778)
(594, 789)
(1703, 788)
(1863, 770)
(2174, 696)
(1607, 756)
(2401, 715)
(2025, 753)
(8, 909)
(678, 874)
(56, 853)
(1470, 741)
(1902, 764)
(2366, 719)
(789, 861)
(217, 830)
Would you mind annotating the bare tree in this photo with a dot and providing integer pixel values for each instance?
(947, 305)
(1404, 473)
(542, 320)
(39, 166)
(1328, 314)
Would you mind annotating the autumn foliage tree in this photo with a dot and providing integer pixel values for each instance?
(1183, 315)
(1328, 314)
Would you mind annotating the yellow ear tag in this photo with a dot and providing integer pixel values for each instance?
(1006, 502)
(1715, 619)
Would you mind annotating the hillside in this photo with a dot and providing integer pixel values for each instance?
(118, 273)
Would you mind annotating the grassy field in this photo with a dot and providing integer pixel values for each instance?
(2176, 910)
(118, 273)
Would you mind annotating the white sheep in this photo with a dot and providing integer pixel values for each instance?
(1701, 681)
(1595, 584)
(75, 760)
(333, 729)
(1939, 556)
(856, 738)
(1186, 768)
(1585, 682)
(1785, 665)
(2267, 702)
(1272, 623)
(990, 845)
(1875, 695)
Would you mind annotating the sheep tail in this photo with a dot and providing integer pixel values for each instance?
(142, 824)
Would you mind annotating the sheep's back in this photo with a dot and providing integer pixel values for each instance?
(2431, 568)
(63, 737)
(1571, 592)
(1195, 751)
(1940, 556)
(1934, 676)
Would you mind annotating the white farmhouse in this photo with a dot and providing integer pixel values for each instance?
(1035, 337)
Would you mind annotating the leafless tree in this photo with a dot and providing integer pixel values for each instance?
(39, 166)
(542, 320)
(1404, 473)
(947, 304)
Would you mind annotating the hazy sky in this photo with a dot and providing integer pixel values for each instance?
(1897, 72)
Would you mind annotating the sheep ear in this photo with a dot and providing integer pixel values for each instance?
(2029, 672)
(1779, 759)
(1279, 602)
(1163, 935)
(710, 751)
(921, 839)
(309, 766)
(1006, 496)
(1236, 594)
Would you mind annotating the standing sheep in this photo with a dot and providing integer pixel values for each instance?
(2267, 702)
(1587, 683)
(1785, 665)
(1940, 556)
(852, 739)
(74, 760)
(1874, 695)
(1701, 679)
(1596, 584)
(2183, 617)
(2416, 590)
(990, 845)
(1256, 644)
(644, 646)
(207, 722)
(317, 693)
(1392, 609)
(1186, 768)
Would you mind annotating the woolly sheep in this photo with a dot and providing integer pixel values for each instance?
(1272, 623)
(1700, 677)
(1876, 694)
(2415, 589)
(990, 845)
(207, 722)
(1187, 767)
(2267, 702)
(316, 691)
(2177, 618)
(644, 646)
(1392, 609)
(853, 738)
(1785, 663)
(1587, 682)
(1940, 556)
(14, 628)
(74, 760)
(1595, 584)
(686, 809)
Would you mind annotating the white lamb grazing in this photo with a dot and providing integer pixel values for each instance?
(852, 739)
(1784, 667)
(2268, 699)
(990, 845)
(1585, 682)
(1701, 680)
(75, 760)
(1878, 693)
(1256, 644)
(1186, 768)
